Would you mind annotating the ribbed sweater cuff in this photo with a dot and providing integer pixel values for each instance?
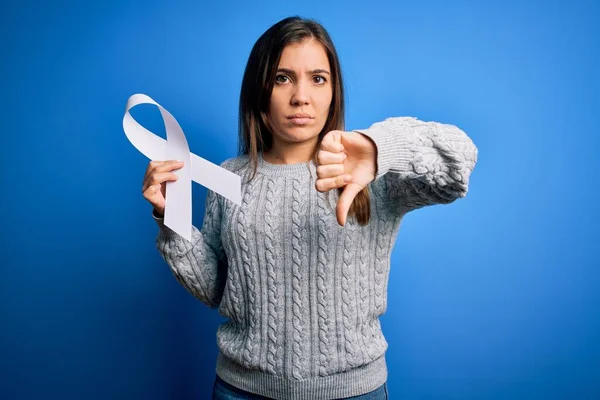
(393, 149)
(346, 384)
(164, 231)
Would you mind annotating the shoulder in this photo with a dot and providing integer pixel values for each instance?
(236, 164)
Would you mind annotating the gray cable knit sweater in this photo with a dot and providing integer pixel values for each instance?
(301, 294)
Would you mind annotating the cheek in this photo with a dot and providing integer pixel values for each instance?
(324, 104)
(276, 105)
(272, 116)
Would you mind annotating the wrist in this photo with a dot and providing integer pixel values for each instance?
(157, 214)
(372, 150)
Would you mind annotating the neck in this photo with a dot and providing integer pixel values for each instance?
(290, 153)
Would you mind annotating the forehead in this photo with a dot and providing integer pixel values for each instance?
(308, 54)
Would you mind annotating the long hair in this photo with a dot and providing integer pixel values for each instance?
(257, 86)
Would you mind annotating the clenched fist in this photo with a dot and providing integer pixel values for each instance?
(345, 160)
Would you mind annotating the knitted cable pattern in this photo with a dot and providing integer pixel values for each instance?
(245, 238)
(363, 296)
(271, 216)
(348, 295)
(380, 270)
(322, 269)
(297, 279)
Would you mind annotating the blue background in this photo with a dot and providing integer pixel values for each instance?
(492, 297)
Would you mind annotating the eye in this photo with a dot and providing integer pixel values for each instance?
(281, 79)
(318, 79)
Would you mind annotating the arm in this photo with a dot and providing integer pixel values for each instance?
(422, 163)
(199, 266)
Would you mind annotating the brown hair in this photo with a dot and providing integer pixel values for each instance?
(257, 86)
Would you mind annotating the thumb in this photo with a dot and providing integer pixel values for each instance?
(345, 201)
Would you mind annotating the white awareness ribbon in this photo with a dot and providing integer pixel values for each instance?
(178, 200)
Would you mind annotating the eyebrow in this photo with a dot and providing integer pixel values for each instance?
(314, 71)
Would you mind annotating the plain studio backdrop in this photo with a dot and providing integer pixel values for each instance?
(492, 297)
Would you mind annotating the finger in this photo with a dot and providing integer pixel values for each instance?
(157, 179)
(327, 157)
(330, 170)
(151, 192)
(345, 201)
(152, 165)
(154, 196)
(161, 166)
(332, 142)
(164, 166)
(323, 185)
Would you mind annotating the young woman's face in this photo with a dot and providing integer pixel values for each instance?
(302, 93)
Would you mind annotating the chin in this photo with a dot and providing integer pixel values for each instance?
(298, 134)
(299, 137)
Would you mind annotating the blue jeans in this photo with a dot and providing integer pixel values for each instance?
(224, 391)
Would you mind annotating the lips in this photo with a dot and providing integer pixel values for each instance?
(300, 119)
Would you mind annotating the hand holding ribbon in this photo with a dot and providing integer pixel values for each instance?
(178, 199)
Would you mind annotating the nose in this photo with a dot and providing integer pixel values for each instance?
(300, 96)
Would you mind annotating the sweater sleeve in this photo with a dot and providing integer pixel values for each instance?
(199, 266)
(422, 163)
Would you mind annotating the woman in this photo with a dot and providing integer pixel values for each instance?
(300, 270)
